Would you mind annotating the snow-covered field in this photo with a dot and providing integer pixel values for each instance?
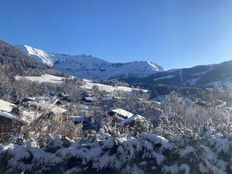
(88, 83)
(43, 78)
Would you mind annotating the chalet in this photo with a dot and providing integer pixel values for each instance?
(48, 106)
(33, 110)
(120, 113)
(9, 125)
(58, 102)
(132, 120)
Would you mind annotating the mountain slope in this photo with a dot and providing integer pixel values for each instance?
(198, 76)
(91, 67)
(18, 62)
(142, 73)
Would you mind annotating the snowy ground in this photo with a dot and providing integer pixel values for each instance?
(6, 106)
(88, 83)
(43, 78)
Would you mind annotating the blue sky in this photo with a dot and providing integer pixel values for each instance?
(172, 33)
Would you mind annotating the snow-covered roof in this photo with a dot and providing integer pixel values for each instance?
(9, 116)
(50, 107)
(29, 116)
(6, 106)
(131, 119)
(58, 101)
(122, 112)
(58, 110)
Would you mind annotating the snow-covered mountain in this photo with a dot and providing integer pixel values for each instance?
(197, 76)
(90, 67)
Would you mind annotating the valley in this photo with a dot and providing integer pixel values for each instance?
(53, 121)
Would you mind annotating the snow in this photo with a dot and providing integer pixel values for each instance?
(43, 78)
(164, 77)
(124, 153)
(122, 112)
(47, 78)
(89, 99)
(132, 118)
(227, 83)
(8, 115)
(211, 67)
(193, 81)
(50, 107)
(106, 70)
(89, 85)
(38, 54)
(6, 106)
(30, 116)
(87, 66)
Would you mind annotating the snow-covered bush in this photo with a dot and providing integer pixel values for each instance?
(190, 139)
(205, 150)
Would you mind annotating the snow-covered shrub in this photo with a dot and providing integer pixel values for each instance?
(203, 151)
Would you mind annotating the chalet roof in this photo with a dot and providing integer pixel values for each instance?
(131, 119)
(58, 110)
(6, 106)
(50, 107)
(122, 112)
(9, 116)
(58, 101)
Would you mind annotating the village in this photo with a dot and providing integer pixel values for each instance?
(97, 102)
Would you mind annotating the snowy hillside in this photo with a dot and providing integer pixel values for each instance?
(87, 66)
(37, 54)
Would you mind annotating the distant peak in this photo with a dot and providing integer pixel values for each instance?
(88, 66)
(38, 54)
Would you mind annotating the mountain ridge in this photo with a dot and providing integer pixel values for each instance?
(18, 62)
(139, 73)
(87, 66)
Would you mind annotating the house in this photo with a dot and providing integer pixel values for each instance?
(58, 102)
(9, 125)
(120, 113)
(132, 120)
(48, 106)
(33, 110)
